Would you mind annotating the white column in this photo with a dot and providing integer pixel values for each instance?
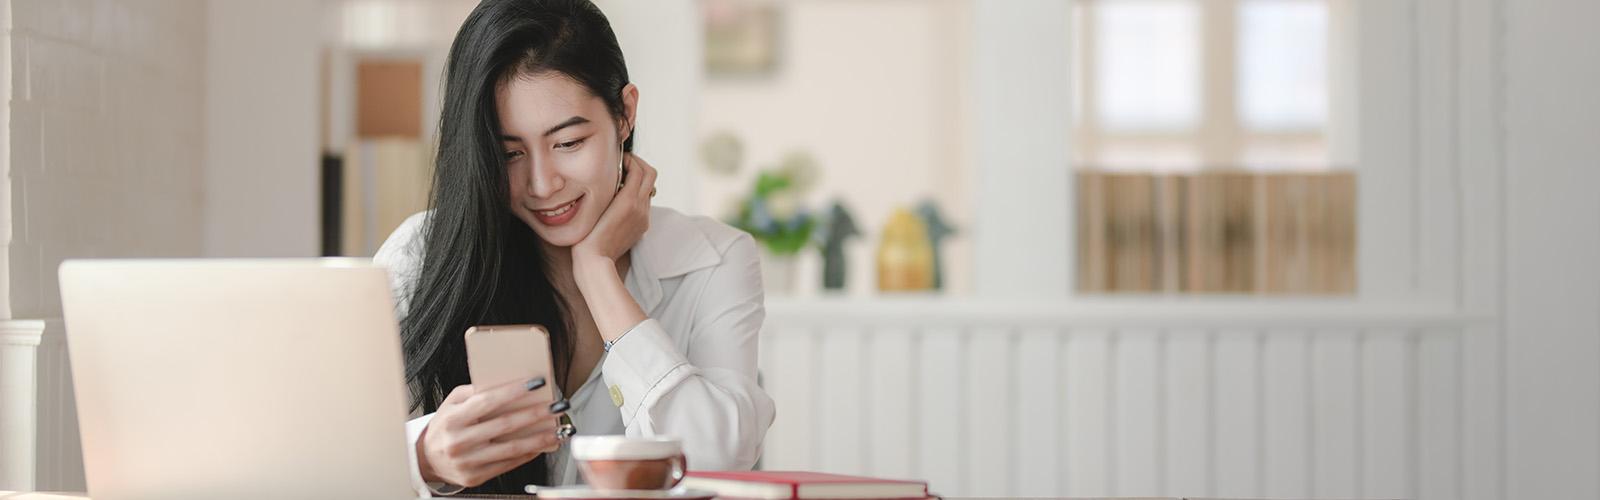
(19, 405)
(1023, 199)
(261, 144)
(661, 41)
(1552, 289)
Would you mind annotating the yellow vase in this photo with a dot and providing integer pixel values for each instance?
(905, 257)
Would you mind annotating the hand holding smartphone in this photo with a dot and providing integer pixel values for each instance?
(510, 354)
(499, 421)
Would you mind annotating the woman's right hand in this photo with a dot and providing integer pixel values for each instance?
(476, 436)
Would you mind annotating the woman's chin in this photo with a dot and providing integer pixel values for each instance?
(559, 241)
(563, 237)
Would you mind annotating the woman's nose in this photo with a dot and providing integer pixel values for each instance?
(543, 180)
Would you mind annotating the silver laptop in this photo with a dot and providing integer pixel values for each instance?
(236, 379)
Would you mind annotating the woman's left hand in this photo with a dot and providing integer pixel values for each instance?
(624, 222)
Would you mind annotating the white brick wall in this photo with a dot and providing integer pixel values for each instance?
(106, 130)
(101, 147)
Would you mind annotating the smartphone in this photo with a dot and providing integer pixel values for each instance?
(503, 354)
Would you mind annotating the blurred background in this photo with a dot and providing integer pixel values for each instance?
(1287, 248)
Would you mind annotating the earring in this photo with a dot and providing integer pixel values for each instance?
(622, 171)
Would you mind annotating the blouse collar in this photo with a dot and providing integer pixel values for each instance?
(673, 246)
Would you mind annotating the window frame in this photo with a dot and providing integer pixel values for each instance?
(1221, 138)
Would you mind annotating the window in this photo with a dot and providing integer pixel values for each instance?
(1200, 141)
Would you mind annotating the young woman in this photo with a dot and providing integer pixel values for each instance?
(540, 214)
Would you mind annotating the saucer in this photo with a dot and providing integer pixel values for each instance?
(587, 493)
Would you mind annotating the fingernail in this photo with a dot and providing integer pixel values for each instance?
(536, 383)
(559, 406)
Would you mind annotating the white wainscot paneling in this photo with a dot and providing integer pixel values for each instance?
(1297, 400)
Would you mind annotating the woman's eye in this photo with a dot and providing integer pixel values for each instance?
(513, 155)
(569, 144)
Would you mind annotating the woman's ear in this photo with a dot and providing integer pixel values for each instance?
(630, 110)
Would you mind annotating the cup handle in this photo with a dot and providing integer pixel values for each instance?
(679, 470)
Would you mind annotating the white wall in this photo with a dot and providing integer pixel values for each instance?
(262, 143)
(1552, 159)
(104, 111)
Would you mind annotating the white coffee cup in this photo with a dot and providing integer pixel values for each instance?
(627, 463)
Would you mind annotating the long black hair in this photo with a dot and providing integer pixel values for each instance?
(480, 263)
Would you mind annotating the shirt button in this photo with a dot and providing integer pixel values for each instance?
(616, 396)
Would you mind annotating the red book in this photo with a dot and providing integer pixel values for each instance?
(788, 485)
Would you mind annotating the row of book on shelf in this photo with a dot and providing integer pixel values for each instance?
(1216, 232)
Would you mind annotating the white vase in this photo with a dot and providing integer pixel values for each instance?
(779, 273)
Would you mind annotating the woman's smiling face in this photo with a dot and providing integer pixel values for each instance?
(562, 147)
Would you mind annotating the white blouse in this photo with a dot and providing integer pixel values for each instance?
(688, 371)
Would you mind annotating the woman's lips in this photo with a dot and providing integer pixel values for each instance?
(561, 215)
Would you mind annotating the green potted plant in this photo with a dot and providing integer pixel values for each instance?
(774, 214)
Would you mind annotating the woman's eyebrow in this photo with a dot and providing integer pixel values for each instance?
(574, 121)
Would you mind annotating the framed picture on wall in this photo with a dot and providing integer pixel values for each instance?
(742, 37)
